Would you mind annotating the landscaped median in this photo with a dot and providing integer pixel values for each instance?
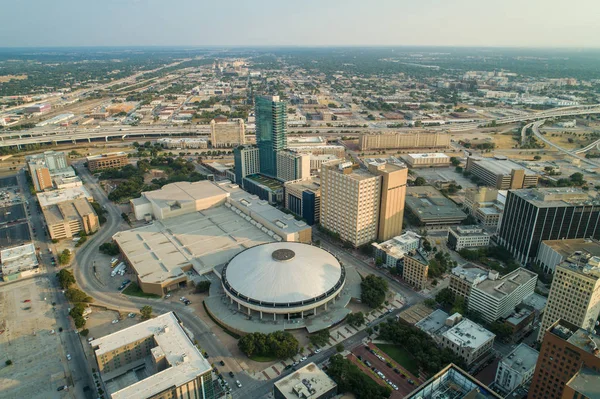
(134, 290)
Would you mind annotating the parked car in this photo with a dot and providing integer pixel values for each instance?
(62, 388)
(115, 321)
(231, 374)
(222, 363)
(68, 356)
(131, 315)
(238, 383)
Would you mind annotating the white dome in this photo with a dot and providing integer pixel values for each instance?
(282, 273)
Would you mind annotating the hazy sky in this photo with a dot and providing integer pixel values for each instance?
(548, 23)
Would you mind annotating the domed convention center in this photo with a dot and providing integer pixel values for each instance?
(283, 285)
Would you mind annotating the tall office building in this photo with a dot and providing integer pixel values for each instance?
(271, 131)
(360, 205)
(575, 293)
(568, 364)
(534, 215)
(246, 162)
(292, 165)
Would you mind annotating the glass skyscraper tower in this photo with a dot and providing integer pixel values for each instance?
(271, 131)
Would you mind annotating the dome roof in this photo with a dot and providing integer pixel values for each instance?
(283, 272)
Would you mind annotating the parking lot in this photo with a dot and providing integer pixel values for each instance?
(14, 235)
(12, 213)
(401, 378)
(8, 181)
(28, 338)
(444, 174)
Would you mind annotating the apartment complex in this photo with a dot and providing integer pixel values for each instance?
(427, 160)
(553, 252)
(460, 237)
(430, 207)
(247, 162)
(227, 134)
(360, 205)
(303, 198)
(292, 165)
(404, 141)
(66, 219)
(160, 350)
(107, 161)
(568, 364)
(494, 298)
(271, 131)
(535, 215)
(307, 382)
(575, 293)
(516, 369)
(501, 173)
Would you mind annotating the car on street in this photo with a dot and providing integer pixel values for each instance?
(168, 296)
(62, 388)
(131, 315)
(182, 299)
(317, 350)
(231, 374)
(222, 363)
(303, 358)
(238, 383)
(115, 321)
(27, 300)
(68, 356)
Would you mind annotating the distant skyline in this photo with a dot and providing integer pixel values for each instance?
(506, 23)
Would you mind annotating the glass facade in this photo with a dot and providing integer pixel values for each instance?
(271, 131)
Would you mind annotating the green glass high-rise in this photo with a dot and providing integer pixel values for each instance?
(271, 131)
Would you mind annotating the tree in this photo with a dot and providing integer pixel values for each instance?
(65, 279)
(202, 287)
(349, 378)
(459, 305)
(419, 181)
(373, 290)
(146, 312)
(501, 330)
(280, 344)
(85, 332)
(109, 248)
(537, 158)
(8, 362)
(76, 314)
(356, 319)
(320, 338)
(455, 161)
(76, 295)
(445, 297)
(64, 257)
(430, 302)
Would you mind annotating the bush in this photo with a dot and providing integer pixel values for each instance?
(85, 332)
(320, 338)
(339, 347)
(76, 295)
(356, 319)
(146, 312)
(64, 257)
(8, 362)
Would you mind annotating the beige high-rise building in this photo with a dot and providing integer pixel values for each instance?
(227, 134)
(292, 165)
(415, 271)
(574, 294)
(350, 201)
(360, 205)
(393, 194)
(66, 219)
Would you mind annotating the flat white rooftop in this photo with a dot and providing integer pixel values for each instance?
(201, 240)
(18, 259)
(309, 381)
(429, 155)
(54, 197)
(522, 358)
(468, 334)
(184, 359)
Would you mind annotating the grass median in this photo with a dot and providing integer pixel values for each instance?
(134, 290)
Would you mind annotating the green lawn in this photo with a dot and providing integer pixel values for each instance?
(400, 356)
(263, 359)
(134, 290)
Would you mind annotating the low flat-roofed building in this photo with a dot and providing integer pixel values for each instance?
(554, 252)
(66, 219)
(427, 160)
(183, 142)
(266, 188)
(307, 382)
(176, 199)
(54, 197)
(435, 323)
(430, 207)
(393, 250)
(107, 161)
(468, 340)
(502, 173)
(453, 382)
(18, 262)
(495, 298)
(460, 237)
(174, 366)
(584, 384)
(338, 150)
(63, 182)
(516, 369)
(306, 141)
